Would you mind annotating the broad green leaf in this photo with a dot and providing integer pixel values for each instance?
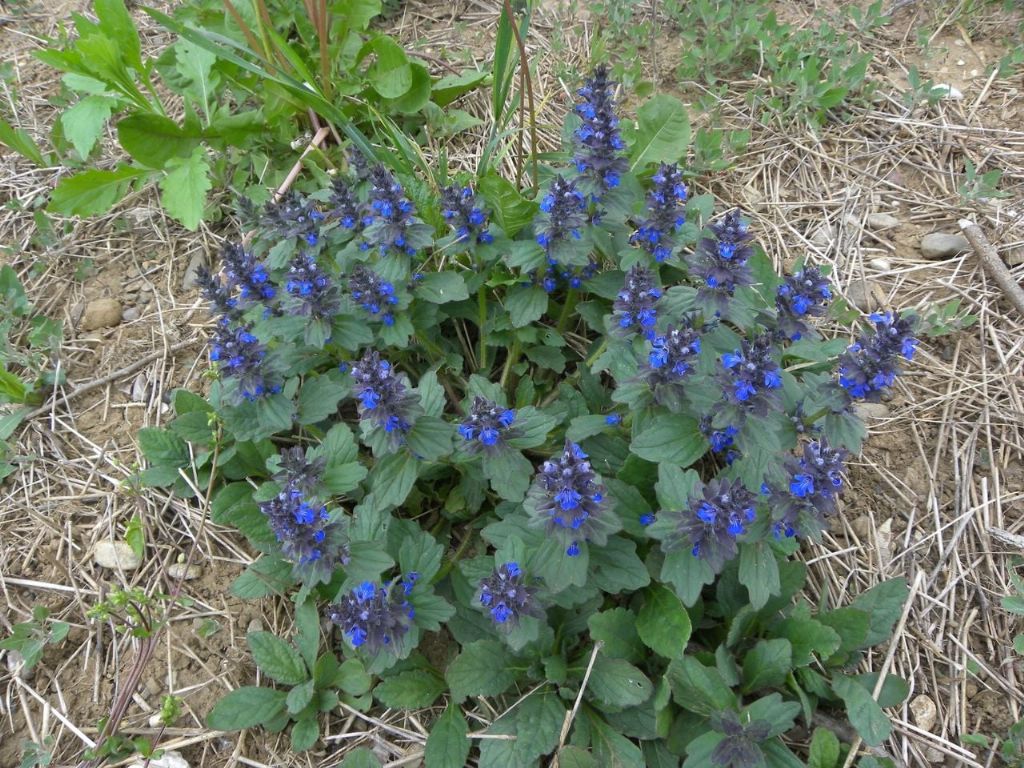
(267, 576)
(663, 132)
(442, 287)
(320, 395)
(91, 192)
(447, 745)
(414, 689)
(195, 64)
(362, 757)
(450, 87)
(305, 732)
(185, 186)
(616, 629)
(698, 688)
(808, 637)
(430, 438)
(674, 486)
(418, 94)
(672, 439)
(509, 473)
(767, 664)
(535, 722)
(663, 623)
(245, 707)
(390, 74)
(883, 603)
(759, 572)
(575, 757)
(481, 669)
(84, 122)
(19, 140)
(525, 305)
(618, 683)
(610, 748)
(824, 751)
(511, 210)
(863, 711)
(393, 477)
(153, 140)
(116, 23)
(276, 658)
(687, 574)
(299, 697)
(307, 631)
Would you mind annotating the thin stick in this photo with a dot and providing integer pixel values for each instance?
(990, 260)
(571, 715)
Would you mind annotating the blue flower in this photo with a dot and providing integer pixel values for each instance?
(562, 217)
(870, 365)
(599, 158)
(613, 419)
(665, 213)
(374, 617)
(811, 493)
(720, 261)
(487, 426)
(635, 306)
(246, 275)
(312, 293)
(803, 294)
(508, 597)
(344, 206)
(383, 396)
(373, 294)
(461, 209)
(241, 358)
(292, 217)
(716, 514)
(750, 377)
(391, 223)
(670, 361)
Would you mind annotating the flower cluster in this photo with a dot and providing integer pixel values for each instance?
(240, 357)
(870, 365)
(563, 214)
(720, 260)
(375, 616)
(670, 360)
(634, 307)
(222, 301)
(507, 597)
(716, 516)
(739, 748)
(665, 213)
(312, 293)
(384, 396)
(246, 274)
(391, 225)
(750, 377)
(599, 147)
(803, 294)
(372, 293)
(721, 440)
(292, 216)
(488, 425)
(815, 481)
(567, 499)
(307, 536)
(462, 211)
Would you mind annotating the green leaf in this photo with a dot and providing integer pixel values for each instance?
(450, 87)
(354, 680)
(153, 140)
(362, 757)
(509, 472)
(163, 448)
(672, 439)
(547, 357)
(84, 123)
(276, 658)
(575, 757)
(616, 567)
(824, 751)
(697, 688)
(525, 305)
(535, 722)
(883, 603)
(390, 74)
(663, 132)
(320, 395)
(195, 65)
(410, 690)
(442, 287)
(618, 683)
(245, 707)
(184, 188)
(759, 572)
(863, 711)
(582, 427)
(894, 690)
(116, 23)
(687, 574)
(19, 140)
(616, 628)
(430, 438)
(610, 748)
(767, 664)
(135, 536)
(307, 631)
(267, 576)
(299, 697)
(417, 96)
(305, 732)
(850, 624)
(393, 477)
(447, 745)
(481, 669)
(807, 636)
(91, 192)
(511, 210)
(663, 623)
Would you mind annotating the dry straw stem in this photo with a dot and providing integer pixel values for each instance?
(993, 264)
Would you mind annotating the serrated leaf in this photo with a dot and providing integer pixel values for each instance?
(759, 572)
(535, 722)
(618, 683)
(447, 745)
(663, 623)
(276, 658)
(442, 287)
(430, 438)
(481, 669)
(616, 628)
(824, 751)
(663, 132)
(245, 707)
(409, 690)
(767, 664)
(299, 697)
(362, 757)
(320, 395)
(304, 734)
(698, 688)
(863, 711)
(393, 477)
(91, 192)
(84, 122)
(808, 637)
(153, 140)
(672, 439)
(509, 473)
(883, 604)
(184, 188)
(525, 305)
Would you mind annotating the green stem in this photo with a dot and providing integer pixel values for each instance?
(510, 360)
(446, 568)
(481, 310)
(597, 352)
(567, 308)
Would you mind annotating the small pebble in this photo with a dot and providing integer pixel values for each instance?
(197, 262)
(868, 411)
(823, 235)
(16, 665)
(924, 711)
(862, 527)
(882, 265)
(860, 295)
(130, 315)
(942, 245)
(153, 688)
(155, 721)
(254, 626)
(116, 554)
(947, 91)
(101, 313)
(183, 572)
(879, 221)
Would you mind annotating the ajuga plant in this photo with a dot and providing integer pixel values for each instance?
(573, 444)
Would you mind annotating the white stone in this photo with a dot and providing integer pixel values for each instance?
(183, 572)
(879, 221)
(169, 759)
(942, 245)
(101, 313)
(130, 315)
(947, 91)
(924, 711)
(197, 262)
(116, 554)
(882, 265)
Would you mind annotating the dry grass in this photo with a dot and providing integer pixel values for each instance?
(941, 479)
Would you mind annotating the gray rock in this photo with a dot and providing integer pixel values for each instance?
(861, 527)
(882, 265)
(197, 262)
(870, 411)
(861, 295)
(180, 571)
(101, 313)
(879, 221)
(116, 554)
(16, 666)
(823, 235)
(254, 626)
(130, 315)
(942, 245)
(924, 712)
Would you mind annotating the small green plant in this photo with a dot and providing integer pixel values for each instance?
(36, 755)
(316, 683)
(117, 746)
(1014, 604)
(921, 90)
(29, 638)
(943, 319)
(979, 187)
(134, 611)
